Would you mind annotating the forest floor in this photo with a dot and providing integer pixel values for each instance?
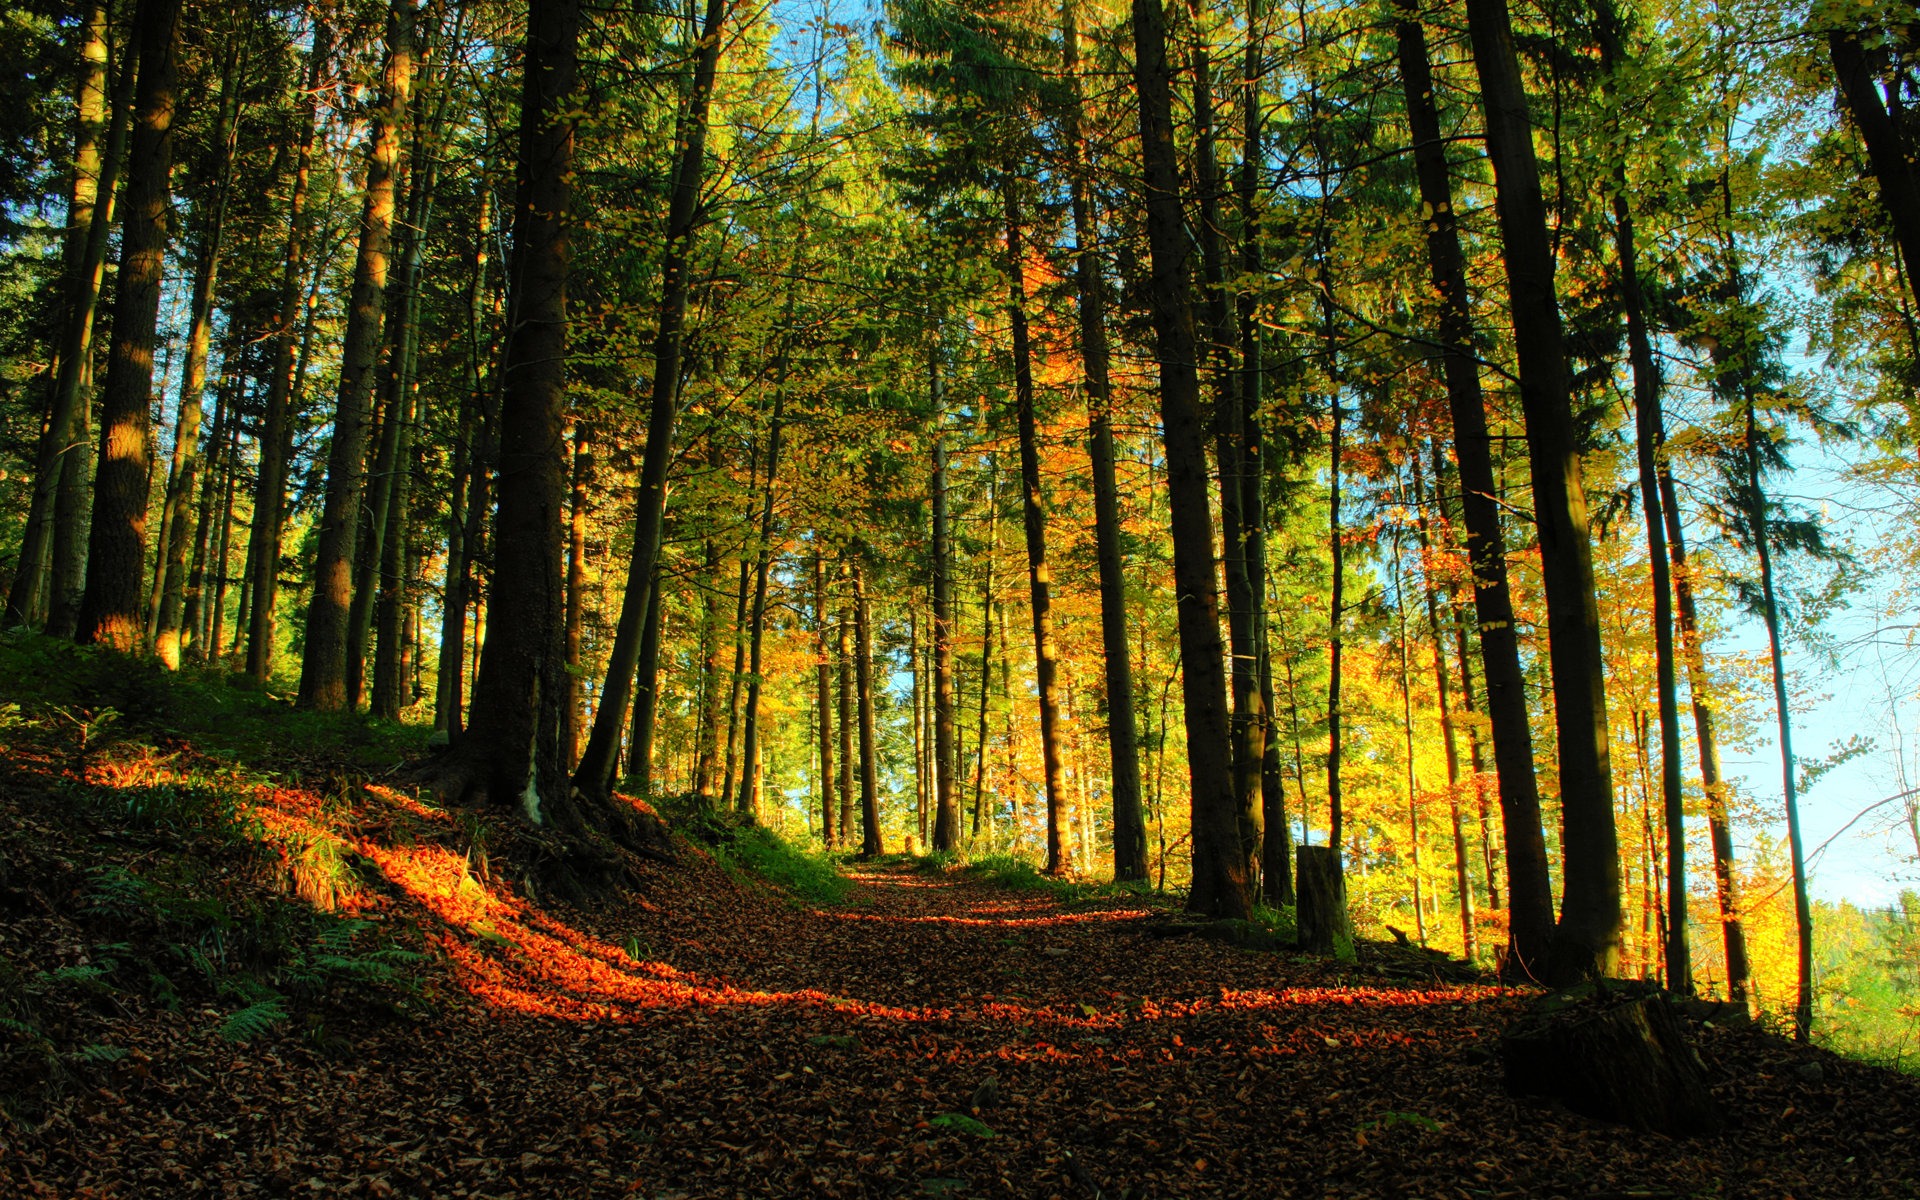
(218, 978)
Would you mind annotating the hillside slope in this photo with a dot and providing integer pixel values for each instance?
(218, 977)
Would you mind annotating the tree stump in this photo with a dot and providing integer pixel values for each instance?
(1321, 912)
(1615, 1058)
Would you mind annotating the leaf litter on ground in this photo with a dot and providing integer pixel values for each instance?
(704, 1036)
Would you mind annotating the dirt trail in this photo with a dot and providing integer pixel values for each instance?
(931, 1037)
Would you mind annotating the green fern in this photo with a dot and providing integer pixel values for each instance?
(99, 1054)
(86, 975)
(253, 1020)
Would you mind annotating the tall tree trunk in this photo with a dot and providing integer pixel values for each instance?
(847, 719)
(574, 710)
(323, 667)
(117, 542)
(646, 699)
(1249, 720)
(511, 752)
(171, 571)
(1757, 516)
(1046, 652)
(467, 512)
(270, 490)
(1336, 617)
(830, 831)
(946, 804)
(1406, 727)
(222, 561)
(1530, 911)
(390, 486)
(195, 608)
(1220, 883)
(1648, 425)
(1586, 939)
(1123, 750)
(683, 217)
(742, 588)
(986, 642)
(1443, 688)
(750, 765)
(1276, 853)
(99, 137)
(870, 842)
(1733, 932)
(707, 757)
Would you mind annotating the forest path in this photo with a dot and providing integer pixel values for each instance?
(933, 1035)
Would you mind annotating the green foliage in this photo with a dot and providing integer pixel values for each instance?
(190, 806)
(1868, 972)
(109, 698)
(253, 1020)
(962, 1123)
(757, 854)
(1022, 875)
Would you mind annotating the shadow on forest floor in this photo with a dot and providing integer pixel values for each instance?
(220, 979)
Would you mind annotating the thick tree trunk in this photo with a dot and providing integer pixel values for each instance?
(870, 841)
(117, 542)
(1530, 914)
(1625, 1061)
(1249, 720)
(511, 752)
(1587, 937)
(1220, 884)
(323, 668)
(1123, 750)
(270, 489)
(98, 148)
(683, 218)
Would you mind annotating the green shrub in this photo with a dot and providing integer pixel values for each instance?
(808, 877)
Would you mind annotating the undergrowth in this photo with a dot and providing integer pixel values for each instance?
(101, 699)
(1023, 875)
(163, 884)
(754, 856)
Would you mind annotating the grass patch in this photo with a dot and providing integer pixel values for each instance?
(756, 856)
(103, 699)
(1022, 875)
